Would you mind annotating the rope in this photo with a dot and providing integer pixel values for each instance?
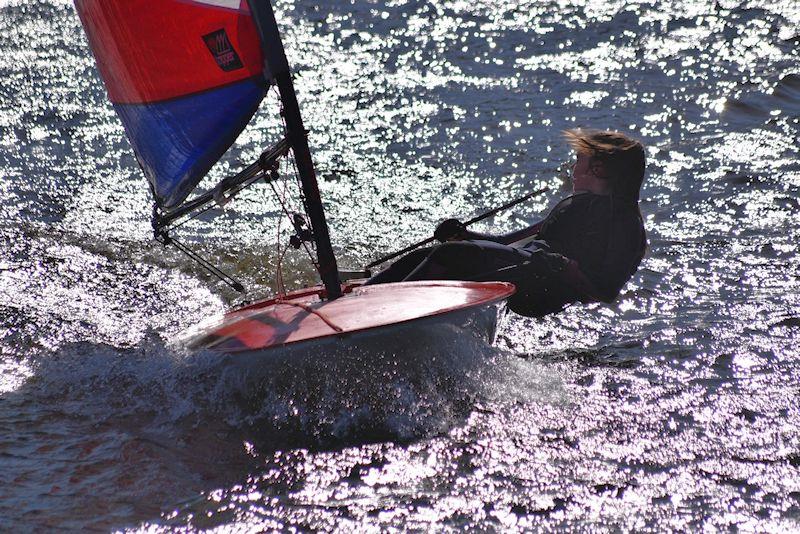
(296, 173)
(281, 196)
(311, 310)
(279, 264)
(311, 256)
(290, 167)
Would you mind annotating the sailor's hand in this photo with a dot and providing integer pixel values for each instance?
(450, 230)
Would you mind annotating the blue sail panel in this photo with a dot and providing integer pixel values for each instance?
(178, 140)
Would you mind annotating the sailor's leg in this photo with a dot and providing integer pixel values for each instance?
(464, 260)
(401, 268)
(543, 287)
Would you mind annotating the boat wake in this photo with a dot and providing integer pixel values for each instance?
(419, 385)
(159, 426)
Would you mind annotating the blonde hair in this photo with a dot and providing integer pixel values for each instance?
(622, 157)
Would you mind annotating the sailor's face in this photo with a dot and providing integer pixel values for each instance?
(582, 176)
(589, 174)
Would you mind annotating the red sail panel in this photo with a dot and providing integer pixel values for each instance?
(185, 77)
(153, 50)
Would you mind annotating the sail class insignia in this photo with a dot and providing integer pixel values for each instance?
(221, 48)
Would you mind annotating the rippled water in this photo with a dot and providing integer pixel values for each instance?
(675, 408)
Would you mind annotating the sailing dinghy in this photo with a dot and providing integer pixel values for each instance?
(185, 78)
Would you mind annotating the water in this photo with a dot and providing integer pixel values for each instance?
(673, 409)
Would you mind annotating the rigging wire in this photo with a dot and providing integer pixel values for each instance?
(281, 197)
(210, 267)
(190, 218)
(279, 282)
(311, 257)
(290, 159)
(290, 168)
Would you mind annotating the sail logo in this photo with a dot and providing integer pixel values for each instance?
(221, 48)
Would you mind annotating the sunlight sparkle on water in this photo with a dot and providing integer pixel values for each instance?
(674, 408)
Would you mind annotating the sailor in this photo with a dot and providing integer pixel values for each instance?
(585, 250)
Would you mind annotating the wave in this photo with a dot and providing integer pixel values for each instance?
(418, 385)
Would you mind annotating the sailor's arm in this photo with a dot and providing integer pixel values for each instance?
(454, 230)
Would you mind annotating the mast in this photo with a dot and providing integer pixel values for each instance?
(278, 66)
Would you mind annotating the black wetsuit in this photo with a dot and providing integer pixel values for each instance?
(586, 249)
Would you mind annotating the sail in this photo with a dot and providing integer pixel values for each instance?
(184, 76)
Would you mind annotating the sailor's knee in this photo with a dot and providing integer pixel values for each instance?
(453, 252)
